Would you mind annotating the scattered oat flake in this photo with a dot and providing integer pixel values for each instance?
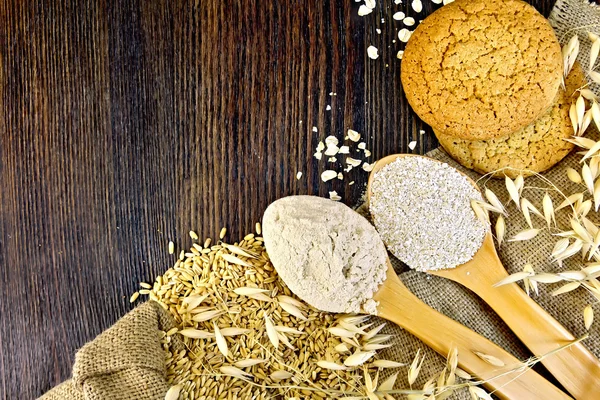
(340, 176)
(351, 183)
(331, 140)
(378, 31)
(367, 153)
(417, 5)
(298, 175)
(408, 21)
(328, 175)
(372, 52)
(368, 167)
(318, 155)
(328, 108)
(352, 161)
(398, 1)
(315, 129)
(371, 3)
(344, 150)
(320, 146)
(421, 132)
(332, 159)
(412, 145)
(331, 150)
(436, 1)
(404, 35)
(399, 16)
(400, 54)
(353, 135)
(364, 10)
(447, 2)
(362, 145)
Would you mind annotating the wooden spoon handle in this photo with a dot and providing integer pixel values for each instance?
(576, 368)
(399, 305)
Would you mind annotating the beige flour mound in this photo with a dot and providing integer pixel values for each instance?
(326, 253)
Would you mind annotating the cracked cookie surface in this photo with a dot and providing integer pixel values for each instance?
(477, 69)
(536, 147)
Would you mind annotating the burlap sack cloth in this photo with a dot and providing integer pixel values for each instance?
(128, 362)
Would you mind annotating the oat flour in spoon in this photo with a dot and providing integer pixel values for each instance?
(326, 253)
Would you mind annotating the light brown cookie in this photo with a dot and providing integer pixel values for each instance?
(536, 147)
(478, 69)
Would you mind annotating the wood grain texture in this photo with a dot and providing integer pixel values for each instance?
(127, 123)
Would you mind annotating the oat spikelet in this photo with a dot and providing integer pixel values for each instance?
(478, 393)
(358, 358)
(415, 368)
(195, 333)
(595, 114)
(271, 331)
(512, 191)
(594, 76)
(570, 52)
(249, 362)
(173, 392)
(572, 199)
(293, 310)
(527, 208)
(206, 315)
(234, 260)
(233, 331)
(573, 117)
(388, 384)
(331, 365)
(525, 235)
(588, 313)
(494, 201)
(548, 209)
(481, 214)
(387, 364)
(239, 251)
(580, 109)
(221, 342)
(248, 291)
(194, 301)
(568, 287)
(573, 175)
(517, 276)
(500, 229)
(588, 179)
(587, 120)
(546, 278)
(490, 359)
(341, 332)
(235, 372)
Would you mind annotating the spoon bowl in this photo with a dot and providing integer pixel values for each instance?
(576, 368)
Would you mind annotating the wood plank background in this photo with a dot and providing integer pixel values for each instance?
(127, 123)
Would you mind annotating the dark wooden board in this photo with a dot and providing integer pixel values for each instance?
(125, 124)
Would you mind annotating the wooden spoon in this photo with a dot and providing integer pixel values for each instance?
(576, 368)
(401, 306)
